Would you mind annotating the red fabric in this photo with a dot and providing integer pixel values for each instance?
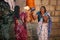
(20, 31)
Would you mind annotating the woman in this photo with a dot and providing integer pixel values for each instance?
(44, 24)
(29, 12)
(30, 25)
(20, 26)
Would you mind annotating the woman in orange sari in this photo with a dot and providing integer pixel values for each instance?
(31, 4)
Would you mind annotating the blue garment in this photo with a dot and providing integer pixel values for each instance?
(39, 16)
(49, 21)
(49, 26)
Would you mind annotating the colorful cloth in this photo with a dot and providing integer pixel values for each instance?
(43, 30)
(49, 21)
(20, 29)
(11, 3)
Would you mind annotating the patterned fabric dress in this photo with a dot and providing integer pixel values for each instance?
(42, 31)
(20, 28)
(43, 28)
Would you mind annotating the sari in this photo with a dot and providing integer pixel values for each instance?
(44, 29)
(20, 28)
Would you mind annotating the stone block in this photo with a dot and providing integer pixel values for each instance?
(57, 13)
(55, 25)
(21, 3)
(45, 2)
(55, 19)
(37, 8)
(52, 8)
(55, 32)
(37, 2)
(58, 2)
(47, 8)
(52, 2)
(57, 7)
(57, 38)
(54, 38)
(50, 38)
(52, 13)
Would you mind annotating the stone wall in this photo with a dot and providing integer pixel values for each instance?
(53, 7)
(21, 3)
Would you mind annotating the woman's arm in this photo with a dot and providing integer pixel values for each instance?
(35, 16)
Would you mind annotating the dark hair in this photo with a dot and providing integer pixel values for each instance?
(16, 11)
(1, 0)
(44, 8)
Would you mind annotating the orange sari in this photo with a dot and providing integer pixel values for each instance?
(30, 3)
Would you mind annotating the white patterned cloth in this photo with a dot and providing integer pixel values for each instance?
(11, 3)
(42, 31)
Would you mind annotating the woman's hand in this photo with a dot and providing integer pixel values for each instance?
(35, 16)
(45, 18)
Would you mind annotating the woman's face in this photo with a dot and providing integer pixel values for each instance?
(42, 10)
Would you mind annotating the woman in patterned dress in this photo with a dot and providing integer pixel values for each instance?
(44, 24)
(20, 24)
